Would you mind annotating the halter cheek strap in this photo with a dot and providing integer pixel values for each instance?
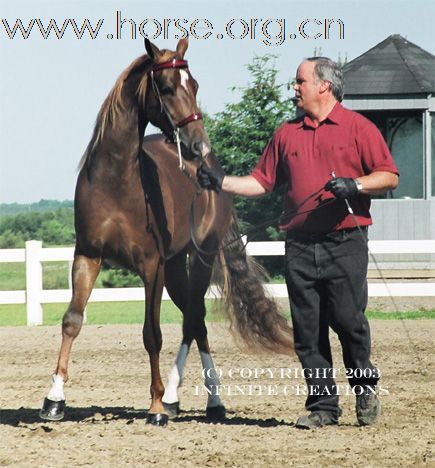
(174, 63)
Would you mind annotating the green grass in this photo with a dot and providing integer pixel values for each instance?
(133, 313)
(55, 276)
(99, 313)
(409, 315)
(12, 276)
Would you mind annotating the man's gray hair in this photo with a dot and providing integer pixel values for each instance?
(328, 70)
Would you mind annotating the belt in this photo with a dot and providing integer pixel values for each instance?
(314, 237)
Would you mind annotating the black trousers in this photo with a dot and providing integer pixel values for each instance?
(327, 284)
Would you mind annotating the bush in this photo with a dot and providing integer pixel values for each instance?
(119, 278)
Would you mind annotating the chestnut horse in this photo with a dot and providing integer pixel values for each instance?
(133, 208)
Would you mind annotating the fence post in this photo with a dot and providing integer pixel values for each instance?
(33, 282)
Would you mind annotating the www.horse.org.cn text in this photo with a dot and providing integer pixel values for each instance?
(270, 31)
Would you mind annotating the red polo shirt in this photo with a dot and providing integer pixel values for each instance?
(304, 155)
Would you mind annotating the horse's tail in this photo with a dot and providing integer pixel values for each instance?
(254, 316)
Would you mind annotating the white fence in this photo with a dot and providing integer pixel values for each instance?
(34, 295)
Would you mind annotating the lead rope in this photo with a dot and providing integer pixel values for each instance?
(295, 213)
(283, 217)
(181, 164)
(396, 308)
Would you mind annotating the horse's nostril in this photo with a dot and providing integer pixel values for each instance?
(197, 148)
(200, 149)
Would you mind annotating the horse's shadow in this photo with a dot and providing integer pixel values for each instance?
(97, 414)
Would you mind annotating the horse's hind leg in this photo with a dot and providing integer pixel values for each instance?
(188, 295)
(177, 285)
(194, 327)
(84, 272)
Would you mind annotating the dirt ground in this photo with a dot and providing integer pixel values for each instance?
(108, 391)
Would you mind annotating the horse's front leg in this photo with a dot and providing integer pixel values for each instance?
(152, 339)
(84, 272)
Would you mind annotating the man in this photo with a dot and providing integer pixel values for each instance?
(332, 160)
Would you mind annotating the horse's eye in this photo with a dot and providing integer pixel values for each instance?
(167, 91)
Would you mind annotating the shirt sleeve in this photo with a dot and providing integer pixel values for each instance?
(267, 172)
(374, 151)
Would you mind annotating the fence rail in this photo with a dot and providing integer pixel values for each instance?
(34, 295)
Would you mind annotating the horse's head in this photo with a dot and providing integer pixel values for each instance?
(171, 100)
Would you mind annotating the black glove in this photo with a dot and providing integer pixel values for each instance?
(342, 187)
(210, 178)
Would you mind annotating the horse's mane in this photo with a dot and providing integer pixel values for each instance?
(113, 104)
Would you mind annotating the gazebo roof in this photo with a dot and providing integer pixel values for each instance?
(394, 66)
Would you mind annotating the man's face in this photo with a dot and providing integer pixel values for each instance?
(306, 86)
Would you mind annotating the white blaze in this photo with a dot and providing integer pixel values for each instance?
(184, 79)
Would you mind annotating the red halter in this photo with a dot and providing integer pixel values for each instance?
(174, 63)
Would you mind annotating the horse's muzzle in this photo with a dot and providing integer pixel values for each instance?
(199, 149)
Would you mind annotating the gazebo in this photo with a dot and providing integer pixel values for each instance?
(393, 84)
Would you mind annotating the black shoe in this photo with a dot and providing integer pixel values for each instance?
(368, 408)
(316, 419)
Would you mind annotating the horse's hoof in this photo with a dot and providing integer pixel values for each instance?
(216, 413)
(52, 410)
(157, 419)
(172, 409)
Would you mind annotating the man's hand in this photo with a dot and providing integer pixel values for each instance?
(210, 178)
(342, 187)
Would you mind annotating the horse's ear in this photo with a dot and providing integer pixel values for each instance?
(182, 47)
(153, 51)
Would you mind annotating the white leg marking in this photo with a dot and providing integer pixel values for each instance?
(211, 379)
(175, 376)
(56, 392)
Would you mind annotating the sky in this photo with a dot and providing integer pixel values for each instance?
(51, 89)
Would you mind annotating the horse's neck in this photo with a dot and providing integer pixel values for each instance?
(123, 137)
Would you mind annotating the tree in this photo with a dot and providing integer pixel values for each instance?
(240, 133)
(53, 227)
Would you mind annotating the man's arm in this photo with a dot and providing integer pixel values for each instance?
(247, 186)
(214, 178)
(378, 182)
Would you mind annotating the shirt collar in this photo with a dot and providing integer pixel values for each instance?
(335, 117)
